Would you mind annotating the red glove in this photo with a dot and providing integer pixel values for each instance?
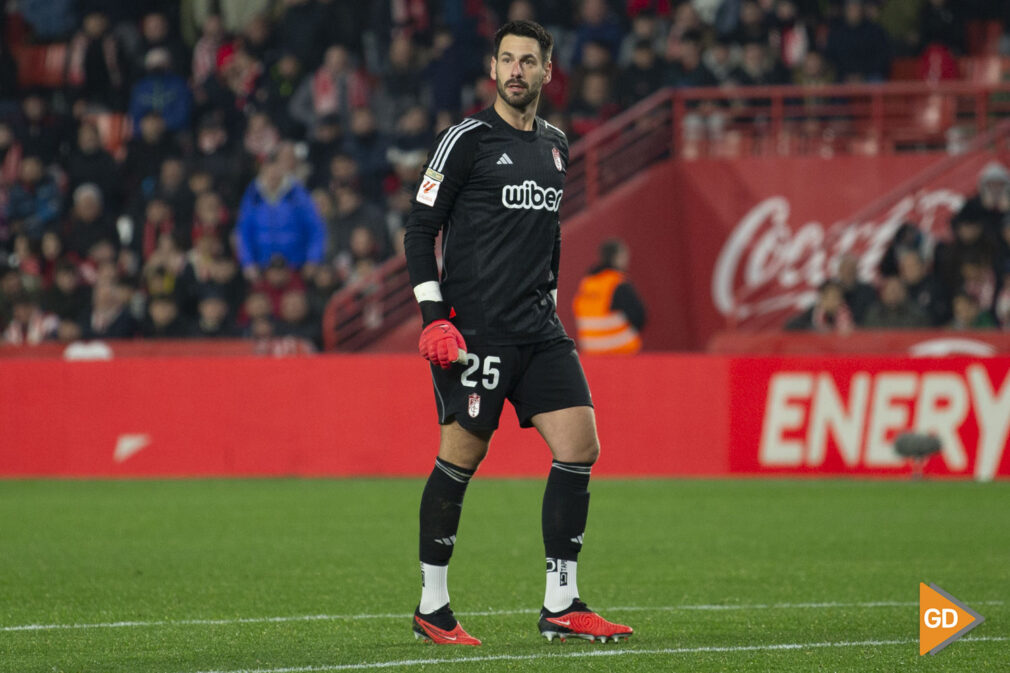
(441, 344)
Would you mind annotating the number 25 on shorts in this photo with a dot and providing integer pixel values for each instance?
(489, 375)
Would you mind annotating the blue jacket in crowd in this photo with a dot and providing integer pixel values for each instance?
(165, 93)
(286, 224)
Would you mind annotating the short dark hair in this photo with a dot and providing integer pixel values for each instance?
(525, 28)
(609, 250)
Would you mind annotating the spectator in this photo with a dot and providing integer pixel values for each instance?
(67, 297)
(258, 41)
(720, 59)
(39, 131)
(859, 48)
(593, 105)
(88, 222)
(158, 221)
(161, 91)
(295, 319)
(752, 25)
(50, 20)
(446, 72)
(758, 67)
(829, 314)
(335, 88)
(689, 70)
(52, 253)
(96, 65)
(941, 24)
(992, 202)
(326, 141)
(894, 309)
(229, 94)
(646, 29)
(163, 320)
(276, 89)
(977, 278)
(596, 24)
(923, 289)
(641, 77)
(34, 203)
(908, 237)
(164, 266)
(89, 162)
(968, 242)
(109, 317)
(173, 189)
(29, 324)
(205, 50)
(156, 34)
(789, 34)
(277, 217)
(968, 314)
(298, 29)
(352, 213)
(277, 279)
(321, 288)
(261, 137)
(222, 160)
(402, 82)
(369, 147)
(146, 152)
(859, 296)
(214, 321)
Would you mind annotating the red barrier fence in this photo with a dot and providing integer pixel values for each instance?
(659, 415)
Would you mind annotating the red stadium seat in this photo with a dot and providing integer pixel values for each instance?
(41, 65)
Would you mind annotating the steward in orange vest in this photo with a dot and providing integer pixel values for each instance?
(608, 312)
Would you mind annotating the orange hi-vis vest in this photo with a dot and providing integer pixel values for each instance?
(600, 329)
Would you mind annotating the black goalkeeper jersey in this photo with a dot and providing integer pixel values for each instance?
(494, 192)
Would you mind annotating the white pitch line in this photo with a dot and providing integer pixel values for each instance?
(472, 613)
(590, 653)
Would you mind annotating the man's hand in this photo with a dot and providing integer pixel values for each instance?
(441, 343)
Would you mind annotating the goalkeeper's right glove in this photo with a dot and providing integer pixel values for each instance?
(442, 344)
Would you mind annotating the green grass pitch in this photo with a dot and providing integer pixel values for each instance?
(321, 575)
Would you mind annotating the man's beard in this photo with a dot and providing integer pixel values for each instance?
(519, 101)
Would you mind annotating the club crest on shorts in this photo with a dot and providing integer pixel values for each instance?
(557, 158)
(473, 405)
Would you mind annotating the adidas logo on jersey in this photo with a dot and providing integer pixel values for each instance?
(532, 196)
(505, 160)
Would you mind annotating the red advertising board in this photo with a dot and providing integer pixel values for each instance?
(810, 415)
(658, 415)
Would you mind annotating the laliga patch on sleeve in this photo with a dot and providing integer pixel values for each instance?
(428, 189)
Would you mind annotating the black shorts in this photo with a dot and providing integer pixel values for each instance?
(535, 378)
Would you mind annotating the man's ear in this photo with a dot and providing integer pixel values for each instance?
(548, 69)
(494, 68)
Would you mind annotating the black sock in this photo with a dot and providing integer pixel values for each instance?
(441, 504)
(566, 506)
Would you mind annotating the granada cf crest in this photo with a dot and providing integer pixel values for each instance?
(473, 405)
(557, 158)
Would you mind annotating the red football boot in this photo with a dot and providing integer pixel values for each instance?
(578, 621)
(441, 628)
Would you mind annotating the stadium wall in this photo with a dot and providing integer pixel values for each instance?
(728, 241)
(659, 415)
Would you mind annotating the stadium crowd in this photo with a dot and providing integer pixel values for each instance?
(273, 145)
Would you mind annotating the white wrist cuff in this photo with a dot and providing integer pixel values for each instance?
(428, 291)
